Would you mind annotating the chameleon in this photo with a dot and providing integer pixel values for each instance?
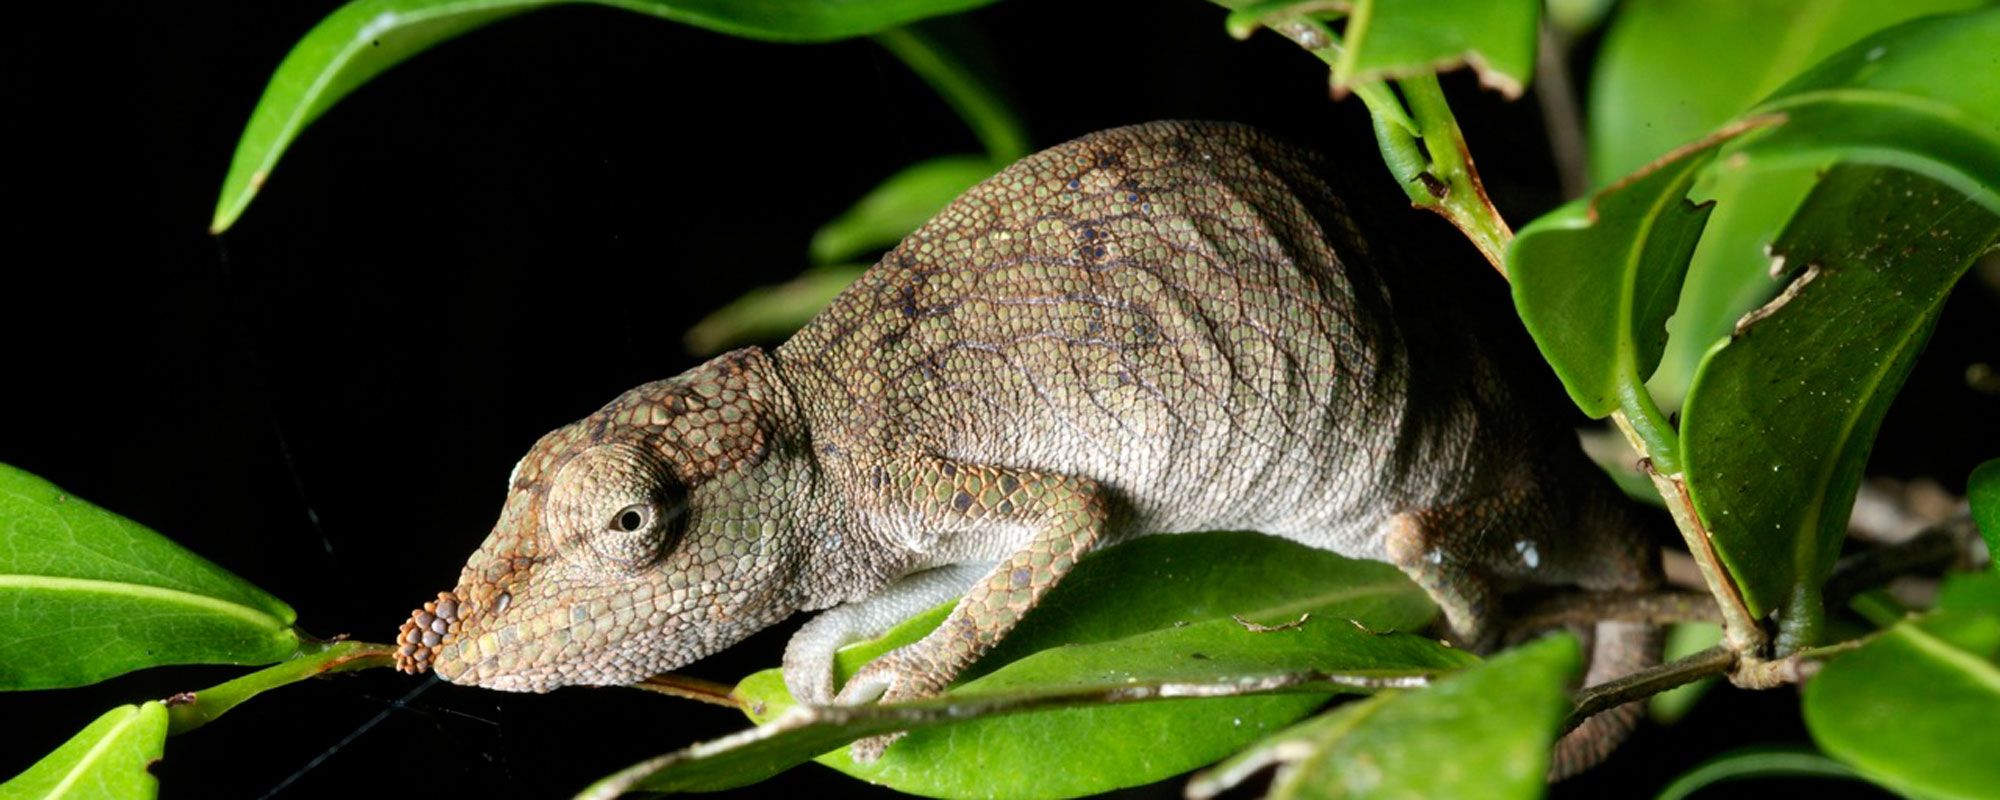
(1163, 328)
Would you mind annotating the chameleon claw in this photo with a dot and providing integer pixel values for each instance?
(869, 750)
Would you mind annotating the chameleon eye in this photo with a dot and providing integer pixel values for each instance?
(632, 518)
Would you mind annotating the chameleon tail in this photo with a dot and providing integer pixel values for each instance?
(1619, 649)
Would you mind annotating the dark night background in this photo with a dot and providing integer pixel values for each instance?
(495, 238)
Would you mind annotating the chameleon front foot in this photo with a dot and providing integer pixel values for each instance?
(899, 675)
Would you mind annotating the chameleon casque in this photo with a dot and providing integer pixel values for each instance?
(1163, 328)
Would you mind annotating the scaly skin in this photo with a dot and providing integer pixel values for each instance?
(1158, 329)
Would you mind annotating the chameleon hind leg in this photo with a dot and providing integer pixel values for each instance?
(1064, 517)
(1422, 550)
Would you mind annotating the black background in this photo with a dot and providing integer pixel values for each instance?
(494, 239)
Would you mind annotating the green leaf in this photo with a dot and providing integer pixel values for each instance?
(365, 37)
(769, 312)
(1913, 709)
(1752, 765)
(1154, 610)
(903, 202)
(1899, 98)
(1483, 733)
(1982, 491)
(88, 594)
(1386, 39)
(1781, 418)
(1595, 280)
(1672, 71)
(1402, 38)
(794, 736)
(1727, 278)
(108, 758)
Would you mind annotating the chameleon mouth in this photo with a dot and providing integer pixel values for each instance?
(425, 632)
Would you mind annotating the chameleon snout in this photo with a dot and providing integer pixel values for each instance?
(426, 631)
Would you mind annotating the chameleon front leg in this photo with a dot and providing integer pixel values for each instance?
(1063, 515)
(809, 656)
(1421, 549)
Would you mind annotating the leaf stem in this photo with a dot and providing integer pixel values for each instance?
(1462, 198)
(190, 710)
(989, 118)
(1656, 436)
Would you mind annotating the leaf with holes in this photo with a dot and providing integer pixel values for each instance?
(88, 594)
(1385, 39)
(1671, 72)
(1595, 280)
(1781, 417)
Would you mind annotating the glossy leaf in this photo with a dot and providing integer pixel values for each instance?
(1781, 418)
(1670, 71)
(365, 37)
(1727, 276)
(768, 313)
(1913, 709)
(1673, 70)
(794, 736)
(1153, 610)
(86, 594)
(1401, 38)
(1899, 98)
(892, 210)
(1483, 733)
(1595, 280)
(1982, 492)
(1754, 765)
(108, 758)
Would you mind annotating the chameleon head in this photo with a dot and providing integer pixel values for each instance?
(634, 541)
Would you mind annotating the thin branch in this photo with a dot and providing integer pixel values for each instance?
(1645, 683)
(690, 688)
(1933, 550)
(1564, 125)
(802, 732)
(1584, 608)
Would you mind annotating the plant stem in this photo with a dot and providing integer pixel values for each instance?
(1582, 608)
(1739, 628)
(1557, 99)
(691, 688)
(1643, 419)
(1648, 682)
(1462, 199)
(190, 710)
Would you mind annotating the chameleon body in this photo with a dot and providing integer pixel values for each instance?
(1165, 328)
